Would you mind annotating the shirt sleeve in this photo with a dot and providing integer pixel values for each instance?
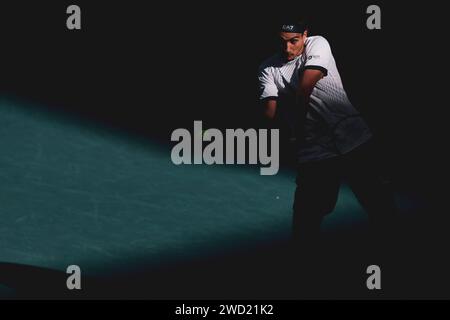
(267, 86)
(319, 55)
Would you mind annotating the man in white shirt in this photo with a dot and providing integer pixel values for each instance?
(332, 139)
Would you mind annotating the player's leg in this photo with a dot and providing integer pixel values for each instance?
(373, 194)
(315, 196)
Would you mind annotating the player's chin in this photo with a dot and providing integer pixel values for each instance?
(289, 56)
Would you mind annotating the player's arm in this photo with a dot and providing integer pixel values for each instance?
(268, 94)
(269, 108)
(307, 81)
(316, 67)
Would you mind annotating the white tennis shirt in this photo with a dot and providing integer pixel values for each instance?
(333, 126)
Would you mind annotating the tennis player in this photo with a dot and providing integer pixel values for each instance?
(332, 140)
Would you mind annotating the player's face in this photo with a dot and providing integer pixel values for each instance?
(292, 44)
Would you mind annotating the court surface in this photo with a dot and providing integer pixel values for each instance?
(73, 192)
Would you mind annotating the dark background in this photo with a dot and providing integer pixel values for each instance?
(150, 68)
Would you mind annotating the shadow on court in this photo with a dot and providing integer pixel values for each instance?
(334, 269)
